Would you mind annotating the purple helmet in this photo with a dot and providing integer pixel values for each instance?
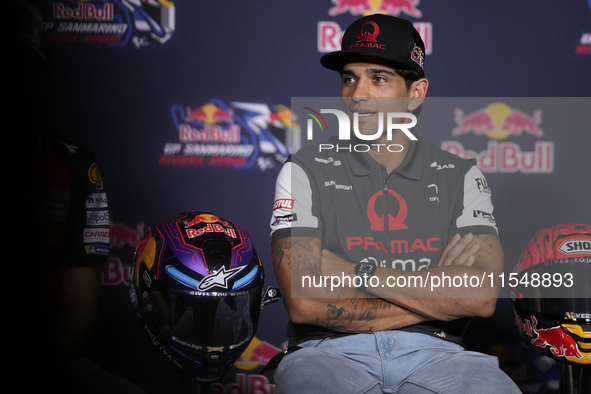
(197, 285)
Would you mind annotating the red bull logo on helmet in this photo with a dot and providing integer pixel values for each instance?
(212, 224)
(206, 217)
(556, 339)
(560, 342)
(568, 341)
(499, 122)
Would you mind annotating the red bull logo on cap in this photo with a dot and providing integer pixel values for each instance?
(498, 122)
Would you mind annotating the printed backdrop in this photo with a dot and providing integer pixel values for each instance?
(186, 105)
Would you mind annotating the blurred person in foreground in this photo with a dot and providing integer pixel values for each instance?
(59, 216)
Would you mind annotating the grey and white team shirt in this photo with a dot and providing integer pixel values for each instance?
(401, 220)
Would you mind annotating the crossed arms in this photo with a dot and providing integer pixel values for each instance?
(347, 309)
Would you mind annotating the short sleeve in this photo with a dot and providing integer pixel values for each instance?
(294, 207)
(475, 208)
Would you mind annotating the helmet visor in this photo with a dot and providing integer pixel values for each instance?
(557, 287)
(200, 322)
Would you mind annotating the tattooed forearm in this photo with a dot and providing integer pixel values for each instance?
(354, 316)
(281, 251)
(305, 253)
(302, 253)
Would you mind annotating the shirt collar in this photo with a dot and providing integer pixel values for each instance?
(412, 165)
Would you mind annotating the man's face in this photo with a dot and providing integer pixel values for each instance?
(370, 89)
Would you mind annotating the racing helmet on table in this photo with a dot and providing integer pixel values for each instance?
(552, 293)
(197, 286)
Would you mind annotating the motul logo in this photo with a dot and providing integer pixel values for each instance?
(575, 246)
(284, 203)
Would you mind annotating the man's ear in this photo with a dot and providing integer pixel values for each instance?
(417, 93)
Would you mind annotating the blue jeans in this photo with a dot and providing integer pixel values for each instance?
(389, 362)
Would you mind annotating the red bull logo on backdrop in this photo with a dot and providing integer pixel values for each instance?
(330, 33)
(366, 7)
(257, 354)
(500, 123)
(108, 23)
(238, 136)
(124, 240)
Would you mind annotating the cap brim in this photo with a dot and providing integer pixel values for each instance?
(336, 60)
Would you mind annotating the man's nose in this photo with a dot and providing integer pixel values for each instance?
(361, 90)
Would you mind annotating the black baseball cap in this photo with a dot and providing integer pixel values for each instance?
(383, 36)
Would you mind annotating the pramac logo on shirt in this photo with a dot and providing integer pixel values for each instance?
(394, 222)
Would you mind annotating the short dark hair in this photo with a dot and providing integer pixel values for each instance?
(409, 76)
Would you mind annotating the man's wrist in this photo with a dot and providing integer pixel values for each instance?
(364, 271)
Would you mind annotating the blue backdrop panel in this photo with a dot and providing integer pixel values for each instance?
(186, 105)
